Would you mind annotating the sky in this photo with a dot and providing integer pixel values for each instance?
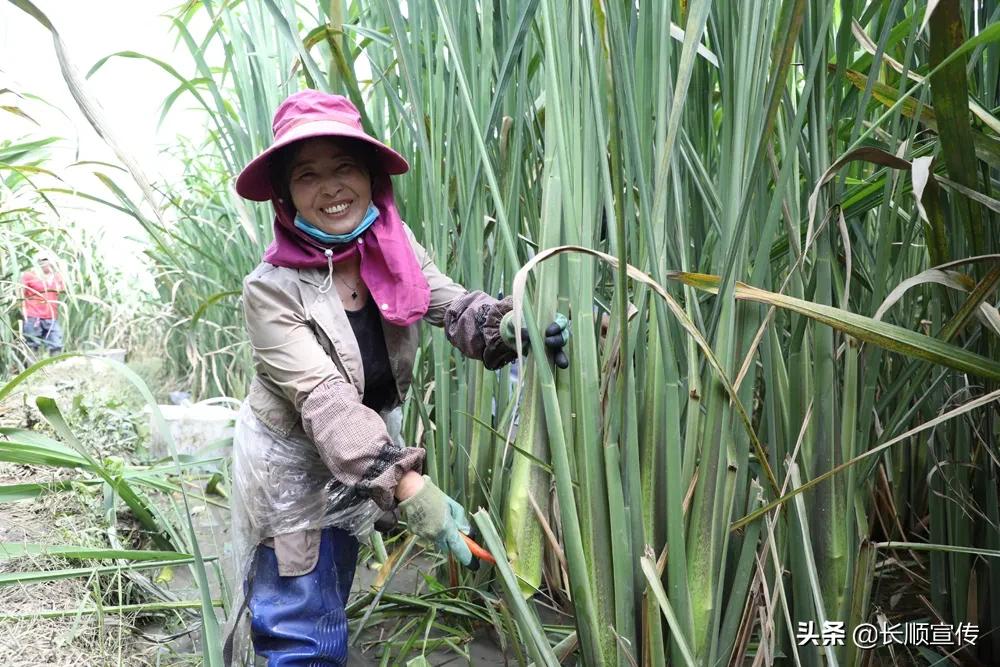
(130, 93)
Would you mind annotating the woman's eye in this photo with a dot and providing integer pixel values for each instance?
(305, 175)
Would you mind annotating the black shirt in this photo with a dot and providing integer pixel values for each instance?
(380, 386)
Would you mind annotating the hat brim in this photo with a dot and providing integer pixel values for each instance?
(254, 182)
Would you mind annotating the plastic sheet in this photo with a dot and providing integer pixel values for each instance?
(281, 485)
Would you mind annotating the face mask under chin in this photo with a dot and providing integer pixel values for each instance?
(371, 215)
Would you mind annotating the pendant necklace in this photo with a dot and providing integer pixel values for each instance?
(354, 290)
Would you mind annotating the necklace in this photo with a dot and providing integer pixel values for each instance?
(354, 290)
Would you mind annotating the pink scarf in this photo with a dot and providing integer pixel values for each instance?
(389, 267)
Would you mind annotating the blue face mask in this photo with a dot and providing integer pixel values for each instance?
(334, 239)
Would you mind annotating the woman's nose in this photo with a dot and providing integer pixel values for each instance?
(330, 185)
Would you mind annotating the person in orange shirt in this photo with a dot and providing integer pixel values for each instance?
(41, 290)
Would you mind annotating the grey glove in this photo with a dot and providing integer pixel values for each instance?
(556, 337)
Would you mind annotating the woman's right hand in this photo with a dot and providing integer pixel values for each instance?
(431, 514)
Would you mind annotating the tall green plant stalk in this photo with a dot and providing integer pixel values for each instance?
(714, 147)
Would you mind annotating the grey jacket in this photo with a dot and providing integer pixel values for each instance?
(310, 380)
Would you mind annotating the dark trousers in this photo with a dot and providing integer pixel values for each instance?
(39, 331)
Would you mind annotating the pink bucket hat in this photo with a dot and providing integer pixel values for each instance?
(304, 115)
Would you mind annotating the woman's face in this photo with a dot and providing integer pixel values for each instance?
(330, 187)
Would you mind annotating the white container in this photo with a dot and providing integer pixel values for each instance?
(95, 353)
(113, 353)
(193, 427)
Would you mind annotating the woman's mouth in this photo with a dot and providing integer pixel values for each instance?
(336, 209)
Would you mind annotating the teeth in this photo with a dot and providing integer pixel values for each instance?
(339, 208)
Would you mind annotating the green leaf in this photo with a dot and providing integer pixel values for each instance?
(532, 633)
(139, 505)
(10, 550)
(14, 492)
(39, 576)
(887, 336)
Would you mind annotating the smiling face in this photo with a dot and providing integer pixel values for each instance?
(329, 184)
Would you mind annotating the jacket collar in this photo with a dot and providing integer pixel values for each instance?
(313, 275)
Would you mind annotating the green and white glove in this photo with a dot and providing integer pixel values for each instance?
(431, 514)
(556, 337)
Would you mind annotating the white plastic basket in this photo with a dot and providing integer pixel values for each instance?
(194, 427)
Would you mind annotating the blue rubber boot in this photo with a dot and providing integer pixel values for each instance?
(300, 621)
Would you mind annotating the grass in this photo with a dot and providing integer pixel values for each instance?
(62, 601)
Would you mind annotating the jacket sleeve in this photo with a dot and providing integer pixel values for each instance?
(471, 320)
(351, 439)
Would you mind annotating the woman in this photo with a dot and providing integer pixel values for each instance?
(331, 314)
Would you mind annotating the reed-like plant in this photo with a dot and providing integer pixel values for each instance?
(761, 145)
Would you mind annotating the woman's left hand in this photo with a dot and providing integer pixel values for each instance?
(556, 337)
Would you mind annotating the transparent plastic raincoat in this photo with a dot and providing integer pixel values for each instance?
(280, 486)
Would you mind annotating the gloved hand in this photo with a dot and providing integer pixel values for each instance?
(434, 516)
(556, 337)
